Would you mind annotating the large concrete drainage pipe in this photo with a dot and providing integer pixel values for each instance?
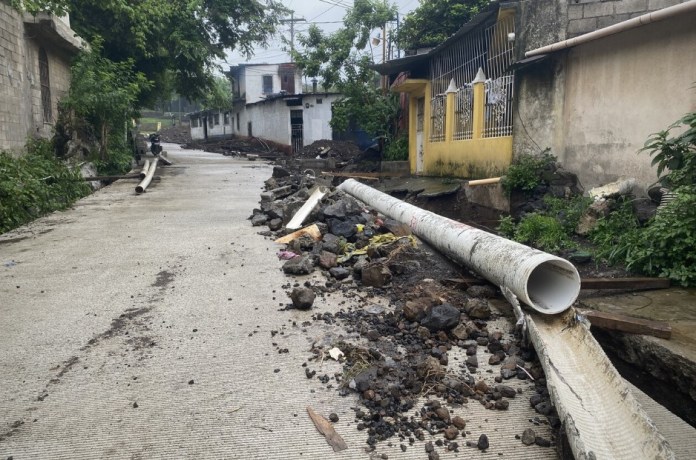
(543, 281)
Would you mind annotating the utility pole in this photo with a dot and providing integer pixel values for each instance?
(292, 22)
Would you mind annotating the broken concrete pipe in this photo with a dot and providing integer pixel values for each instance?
(543, 281)
(142, 186)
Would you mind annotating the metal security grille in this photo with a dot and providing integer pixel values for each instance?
(464, 113)
(498, 116)
(45, 87)
(297, 130)
(488, 49)
(437, 118)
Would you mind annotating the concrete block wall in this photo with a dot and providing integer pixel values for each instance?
(15, 101)
(21, 112)
(588, 15)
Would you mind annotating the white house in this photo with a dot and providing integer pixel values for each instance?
(268, 103)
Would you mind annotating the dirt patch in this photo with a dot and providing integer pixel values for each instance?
(164, 278)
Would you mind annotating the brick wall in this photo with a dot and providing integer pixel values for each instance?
(587, 15)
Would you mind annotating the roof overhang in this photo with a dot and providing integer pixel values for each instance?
(484, 18)
(410, 85)
(50, 29)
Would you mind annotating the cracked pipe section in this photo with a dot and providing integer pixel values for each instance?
(543, 281)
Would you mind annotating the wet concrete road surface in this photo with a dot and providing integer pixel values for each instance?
(139, 327)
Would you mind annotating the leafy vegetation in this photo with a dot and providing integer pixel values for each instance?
(666, 245)
(36, 183)
(219, 96)
(104, 93)
(397, 150)
(174, 43)
(342, 61)
(436, 20)
(676, 155)
(525, 173)
(550, 229)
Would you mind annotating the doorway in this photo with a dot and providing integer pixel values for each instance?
(297, 130)
(420, 116)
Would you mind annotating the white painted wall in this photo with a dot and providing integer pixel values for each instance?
(251, 81)
(219, 130)
(317, 117)
(270, 120)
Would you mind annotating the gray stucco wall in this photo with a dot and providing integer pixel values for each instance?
(543, 22)
(595, 104)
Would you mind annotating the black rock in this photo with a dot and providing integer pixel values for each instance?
(441, 318)
(333, 417)
(299, 266)
(543, 442)
(528, 437)
(344, 228)
(302, 298)
(339, 273)
(544, 408)
(331, 243)
(280, 172)
(482, 443)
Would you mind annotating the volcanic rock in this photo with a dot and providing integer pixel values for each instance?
(302, 298)
(528, 437)
(441, 317)
(299, 266)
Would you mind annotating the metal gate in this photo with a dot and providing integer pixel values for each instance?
(296, 130)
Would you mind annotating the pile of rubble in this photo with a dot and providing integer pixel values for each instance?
(406, 356)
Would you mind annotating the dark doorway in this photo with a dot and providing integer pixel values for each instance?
(297, 131)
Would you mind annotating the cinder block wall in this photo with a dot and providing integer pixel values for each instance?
(587, 15)
(15, 99)
(21, 112)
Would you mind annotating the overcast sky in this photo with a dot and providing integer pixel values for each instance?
(320, 12)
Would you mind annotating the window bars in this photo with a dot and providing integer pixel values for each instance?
(464, 113)
(437, 118)
(498, 114)
(490, 50)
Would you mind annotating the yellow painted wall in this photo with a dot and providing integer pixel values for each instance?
(471, 159)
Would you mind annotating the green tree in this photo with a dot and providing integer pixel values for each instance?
(220, 94)
(436, 20)
(104, 92)
(184, 37)
(342, 61)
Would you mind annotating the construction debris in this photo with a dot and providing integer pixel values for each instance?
(327, 430)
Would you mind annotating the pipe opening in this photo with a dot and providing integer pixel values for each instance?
(553, 286)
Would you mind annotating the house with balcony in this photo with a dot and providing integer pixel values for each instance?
(268, 103)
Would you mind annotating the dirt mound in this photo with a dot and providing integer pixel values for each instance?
(341, 150)
(179, 134)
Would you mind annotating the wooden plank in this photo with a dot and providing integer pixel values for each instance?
(326, 428)
(624, 283)
(624, 323)
(352, 176)
(312, 231)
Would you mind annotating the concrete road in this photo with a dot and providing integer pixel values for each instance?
(139, 327)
